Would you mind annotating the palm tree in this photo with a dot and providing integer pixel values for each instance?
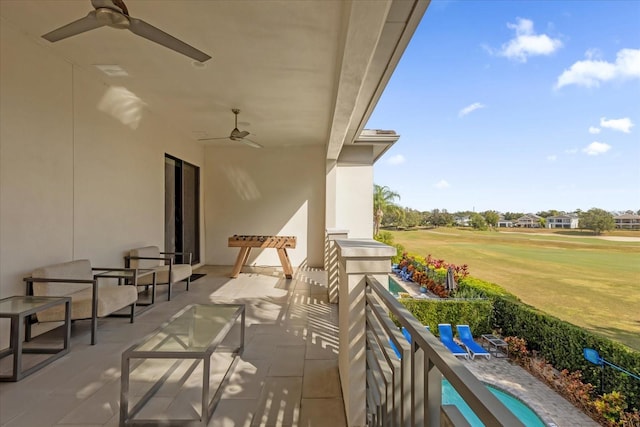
(383, 198)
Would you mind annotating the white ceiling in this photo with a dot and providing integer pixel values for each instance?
(301, 72)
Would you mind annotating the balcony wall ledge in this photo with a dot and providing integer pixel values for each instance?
(364, 248)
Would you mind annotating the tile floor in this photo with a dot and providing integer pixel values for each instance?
(287, 376)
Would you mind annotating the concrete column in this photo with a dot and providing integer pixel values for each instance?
(357, 259)
(331, 260)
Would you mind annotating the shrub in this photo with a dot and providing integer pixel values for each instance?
(387, 238)
(430, 312)
(517, 348)
(609, 406)
(561, 343)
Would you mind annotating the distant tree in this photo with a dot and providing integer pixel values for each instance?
(542, 222)
(412, 217)
(492, 218)
(597, 220)
(477, 221)
(510, 216)
(547, 214)
(383, 198)
(393, 216)
(440, 218)
(446, 219)
(424, 218)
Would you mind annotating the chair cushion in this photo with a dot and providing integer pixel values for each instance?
(178, 272)
(79, 269)
(111, 298)
(147, 251)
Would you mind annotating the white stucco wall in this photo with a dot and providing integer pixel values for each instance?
(354, 200)
(265, 192)
(80, 175)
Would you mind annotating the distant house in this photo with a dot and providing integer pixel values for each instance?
(627, 221)
(563, 221)
(462, 221)
(506, 223)
(529, 221)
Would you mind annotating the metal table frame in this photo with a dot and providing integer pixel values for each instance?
(18, 319)
(130, 277)
(204, 354)
(494, 344)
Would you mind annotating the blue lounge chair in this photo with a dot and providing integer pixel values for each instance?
(407, 336)
(395, 349)
(406, 275)
(464, 333)
(446, 337)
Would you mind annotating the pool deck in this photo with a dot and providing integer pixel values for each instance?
(554, 409)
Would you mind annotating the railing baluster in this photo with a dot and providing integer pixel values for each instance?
(408, 392)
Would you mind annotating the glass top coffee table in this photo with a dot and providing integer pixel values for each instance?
(18, 309)
(194, 333)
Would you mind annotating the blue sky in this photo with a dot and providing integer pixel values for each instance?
(516, 106)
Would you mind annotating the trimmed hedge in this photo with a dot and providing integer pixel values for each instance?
(477, 313)
(562, 343)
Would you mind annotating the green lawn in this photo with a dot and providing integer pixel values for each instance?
(587, 281)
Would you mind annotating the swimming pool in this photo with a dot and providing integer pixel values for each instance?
(394, 287)
(529, 418)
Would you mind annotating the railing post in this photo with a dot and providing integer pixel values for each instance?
(357, 258)
(331, 260)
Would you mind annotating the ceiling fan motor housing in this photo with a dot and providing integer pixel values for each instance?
(114, 19)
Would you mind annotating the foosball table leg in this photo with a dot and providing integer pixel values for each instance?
(286, 263)
(243, 256)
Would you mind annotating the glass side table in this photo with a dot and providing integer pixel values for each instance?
(18, 309)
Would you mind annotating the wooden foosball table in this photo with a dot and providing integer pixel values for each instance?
(245, 243)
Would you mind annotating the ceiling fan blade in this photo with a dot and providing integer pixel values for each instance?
(241, 134)
(87, 23)
(250, 143)
(156, 35)
(211, 139)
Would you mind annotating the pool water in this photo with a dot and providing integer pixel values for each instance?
(394, 287)
(529, 418)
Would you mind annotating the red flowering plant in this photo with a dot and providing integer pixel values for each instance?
(431, 273)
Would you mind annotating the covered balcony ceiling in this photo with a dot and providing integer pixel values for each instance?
(301, 72)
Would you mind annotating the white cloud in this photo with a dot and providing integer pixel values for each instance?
(552, 158)
(442, 184)
(596, 148)
(594, 130)
(398, 159)
(470, 108)
(623, 125)
(593, 53)
(590, 73)
(527, 43)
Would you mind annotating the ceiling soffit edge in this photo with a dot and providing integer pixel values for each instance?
(402, 19)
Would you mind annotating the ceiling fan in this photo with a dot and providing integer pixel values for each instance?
(236, 134)
(114, 13)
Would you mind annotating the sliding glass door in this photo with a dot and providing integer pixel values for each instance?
(182, 208)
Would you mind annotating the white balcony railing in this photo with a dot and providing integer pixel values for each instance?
(408, 391)
(380, 389)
